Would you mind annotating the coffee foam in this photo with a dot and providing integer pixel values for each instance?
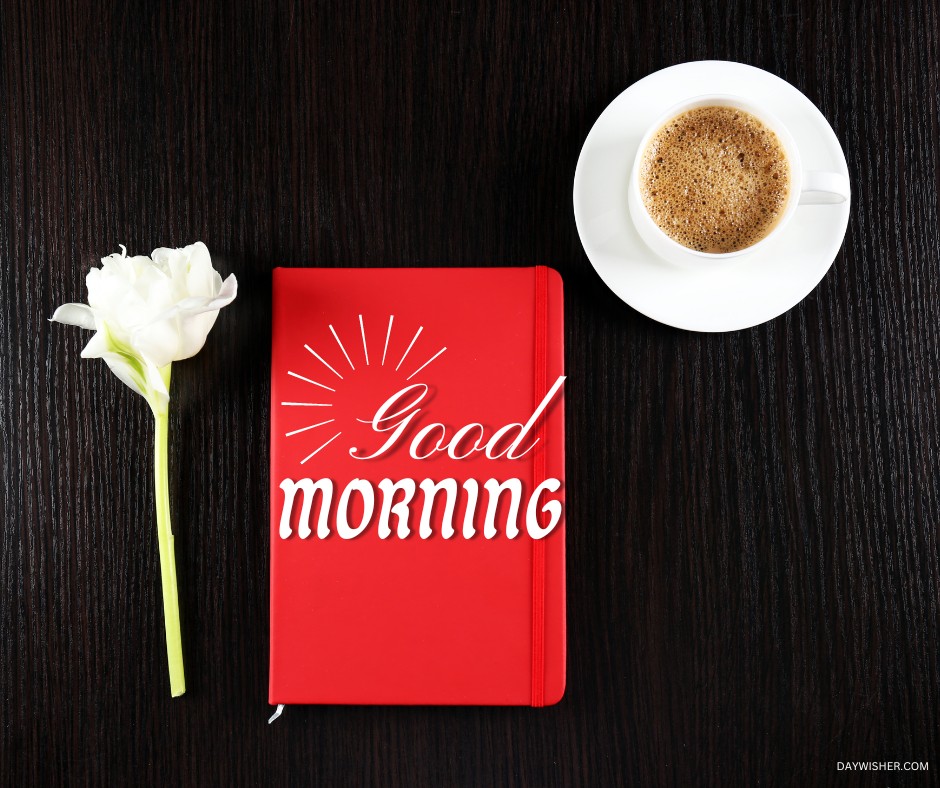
(715, 179)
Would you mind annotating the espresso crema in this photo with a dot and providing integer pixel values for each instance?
(715, 179)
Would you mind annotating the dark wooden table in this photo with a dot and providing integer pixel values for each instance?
(754, 574)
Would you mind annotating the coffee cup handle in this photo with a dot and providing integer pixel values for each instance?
(824, 188)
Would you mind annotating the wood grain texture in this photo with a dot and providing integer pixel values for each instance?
(754, 574)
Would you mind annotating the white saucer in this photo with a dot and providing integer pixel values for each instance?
(750, 291)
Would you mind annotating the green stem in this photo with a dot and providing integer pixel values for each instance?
(171, 610)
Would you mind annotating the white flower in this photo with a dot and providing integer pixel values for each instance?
(148, 313)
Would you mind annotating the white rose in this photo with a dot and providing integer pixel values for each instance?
(148, 313)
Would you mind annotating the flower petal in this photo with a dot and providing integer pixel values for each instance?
(138, 373)
(75, 315)
(158, 341)
(126, 373)
(228, 290)
(97, 346)
(180, 332)
(196, 304)
(194, 329)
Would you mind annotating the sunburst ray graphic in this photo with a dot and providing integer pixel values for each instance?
(365, 354)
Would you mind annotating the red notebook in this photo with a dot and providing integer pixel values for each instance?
(417, 487)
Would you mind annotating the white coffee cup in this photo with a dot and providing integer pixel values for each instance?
(806, 188)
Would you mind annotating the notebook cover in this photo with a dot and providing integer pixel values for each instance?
(416, 618)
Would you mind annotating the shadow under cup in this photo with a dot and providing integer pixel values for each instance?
(805, 188)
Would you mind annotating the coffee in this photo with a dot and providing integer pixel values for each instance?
(715, 179)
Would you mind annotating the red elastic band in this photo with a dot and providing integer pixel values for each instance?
(538, 476)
